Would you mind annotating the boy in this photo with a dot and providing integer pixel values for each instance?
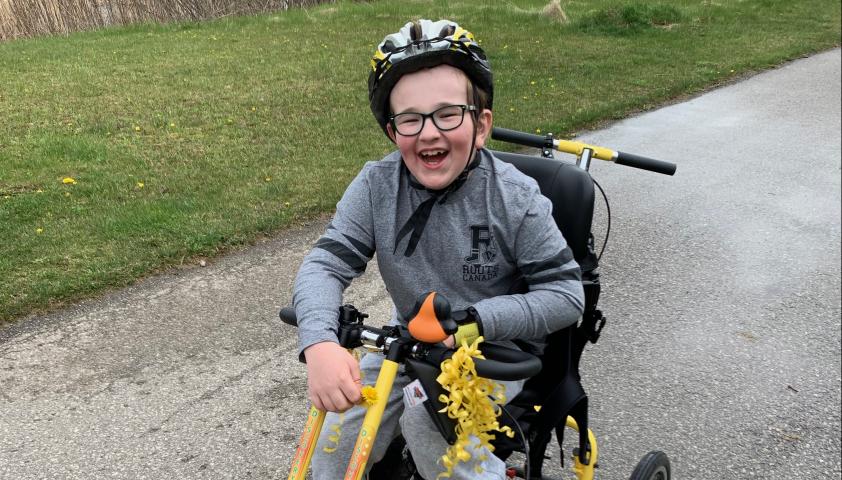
(441, 214)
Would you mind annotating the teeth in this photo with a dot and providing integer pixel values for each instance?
(432, 153)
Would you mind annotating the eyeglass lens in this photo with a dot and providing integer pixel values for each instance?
(445, 118)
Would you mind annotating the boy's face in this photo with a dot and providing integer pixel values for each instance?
(435, 158)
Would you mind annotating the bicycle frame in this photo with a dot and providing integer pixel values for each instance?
(433, 323)
(370, 426)
(397, 349)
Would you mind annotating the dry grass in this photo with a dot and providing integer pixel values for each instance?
(554, 11)
(29, 18)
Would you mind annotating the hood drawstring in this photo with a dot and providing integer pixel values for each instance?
(418, 220)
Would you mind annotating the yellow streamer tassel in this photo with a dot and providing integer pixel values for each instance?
(336, 428)
(473, 401)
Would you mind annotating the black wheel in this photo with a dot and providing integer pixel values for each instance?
(653, 466)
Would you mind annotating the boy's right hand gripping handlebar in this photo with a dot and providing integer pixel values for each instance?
(576, 148)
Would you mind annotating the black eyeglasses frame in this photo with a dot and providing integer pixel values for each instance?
(431, 116)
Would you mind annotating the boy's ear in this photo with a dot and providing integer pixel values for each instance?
(390, 132)
(484, 120)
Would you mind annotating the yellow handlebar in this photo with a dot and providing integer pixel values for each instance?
(576, 148)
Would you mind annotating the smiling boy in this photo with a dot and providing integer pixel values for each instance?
(441, 214)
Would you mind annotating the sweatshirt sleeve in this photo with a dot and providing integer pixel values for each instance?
(555, 298)
(340, 255)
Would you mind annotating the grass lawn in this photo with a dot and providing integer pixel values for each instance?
(129, 150)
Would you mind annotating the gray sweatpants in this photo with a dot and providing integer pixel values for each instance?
(423, 439)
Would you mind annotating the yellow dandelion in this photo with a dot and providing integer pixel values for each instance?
(66, 194)
(286, 204)
(140, 184)
(39, 231)
(369, 396)
(7, 197)
(532, 82)
(136, 128)
(68, 181)
(511, 109)
(253, 108)
(537, 408)
(537, 130)
(268, 179)
(172, 125)
(39, 191)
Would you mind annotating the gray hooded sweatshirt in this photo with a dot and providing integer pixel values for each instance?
(470, 246)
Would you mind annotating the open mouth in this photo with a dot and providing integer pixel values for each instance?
(433, 157)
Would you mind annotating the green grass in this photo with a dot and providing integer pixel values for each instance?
(189, 139)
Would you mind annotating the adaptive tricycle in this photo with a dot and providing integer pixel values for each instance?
(553, 398)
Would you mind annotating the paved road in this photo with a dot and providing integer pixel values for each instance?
(721, 285)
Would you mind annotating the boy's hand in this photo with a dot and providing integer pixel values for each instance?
(333, 377)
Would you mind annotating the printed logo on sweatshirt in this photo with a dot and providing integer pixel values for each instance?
(480, 266)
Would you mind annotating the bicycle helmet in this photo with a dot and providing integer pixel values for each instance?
(424, 44)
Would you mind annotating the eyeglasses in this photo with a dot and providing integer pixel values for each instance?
(446, 118)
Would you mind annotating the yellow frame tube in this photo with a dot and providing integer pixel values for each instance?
(582, 471)
(371, 422)
(307, 444)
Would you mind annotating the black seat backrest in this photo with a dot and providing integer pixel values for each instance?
(557, 387)
(571, 191)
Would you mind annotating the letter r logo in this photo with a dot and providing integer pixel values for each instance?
(480, 242)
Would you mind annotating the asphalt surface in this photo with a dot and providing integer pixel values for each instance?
(721, 286)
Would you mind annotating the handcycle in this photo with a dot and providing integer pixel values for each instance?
(553, 397)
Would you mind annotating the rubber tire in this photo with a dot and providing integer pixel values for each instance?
(653, 466)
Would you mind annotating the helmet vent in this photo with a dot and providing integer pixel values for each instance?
(417, 33)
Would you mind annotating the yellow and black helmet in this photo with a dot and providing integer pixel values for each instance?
(424, 44)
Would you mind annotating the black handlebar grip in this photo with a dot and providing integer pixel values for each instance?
(636, 161)
(503, 363)
(520, 138)
(287, 315)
